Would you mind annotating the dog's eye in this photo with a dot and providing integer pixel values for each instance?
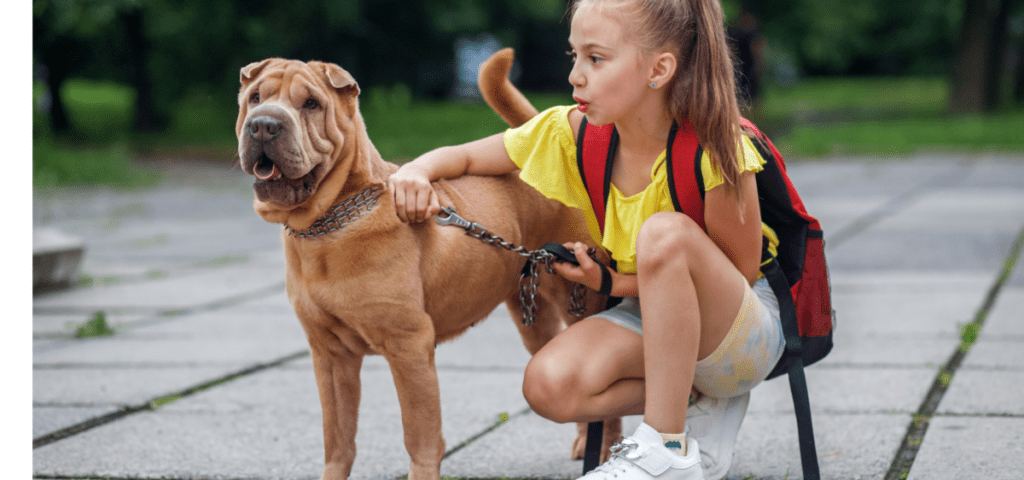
(255, 98)
(311, 104)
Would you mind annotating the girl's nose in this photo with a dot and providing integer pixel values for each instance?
(576, 78)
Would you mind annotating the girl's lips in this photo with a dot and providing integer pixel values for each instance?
(582, 106)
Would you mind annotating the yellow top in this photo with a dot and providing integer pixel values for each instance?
(545, 151)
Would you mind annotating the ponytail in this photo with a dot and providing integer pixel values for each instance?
(705, 90)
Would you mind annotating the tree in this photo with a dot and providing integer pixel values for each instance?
(977, 74)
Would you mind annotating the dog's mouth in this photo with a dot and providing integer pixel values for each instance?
(272, 185)
(266, 170)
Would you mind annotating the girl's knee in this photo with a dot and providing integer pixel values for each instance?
(665, 237)
(550, 389)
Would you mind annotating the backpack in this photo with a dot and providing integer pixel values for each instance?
(797, 275)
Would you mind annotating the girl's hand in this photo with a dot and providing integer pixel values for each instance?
(414, 197)
(587, 274)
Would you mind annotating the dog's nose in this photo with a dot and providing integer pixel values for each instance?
(264, 127)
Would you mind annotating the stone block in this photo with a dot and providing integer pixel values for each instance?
(955, 448)
(984, 392)
(55, 258)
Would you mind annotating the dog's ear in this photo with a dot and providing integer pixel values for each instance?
(252, 70)
(341, 79)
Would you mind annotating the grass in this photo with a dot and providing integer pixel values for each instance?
(96, 326)
(817, 117)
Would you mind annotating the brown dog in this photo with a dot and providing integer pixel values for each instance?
(361, 281)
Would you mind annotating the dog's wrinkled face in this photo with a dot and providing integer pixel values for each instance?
(291, 126)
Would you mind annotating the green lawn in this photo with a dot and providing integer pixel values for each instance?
(817, 117)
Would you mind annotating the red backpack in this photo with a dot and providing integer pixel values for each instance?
(798, 275)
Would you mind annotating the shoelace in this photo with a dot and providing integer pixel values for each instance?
(620, 461)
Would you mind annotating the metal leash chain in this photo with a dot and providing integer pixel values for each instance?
(529, 279)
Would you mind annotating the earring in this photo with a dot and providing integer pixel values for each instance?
(653, 85)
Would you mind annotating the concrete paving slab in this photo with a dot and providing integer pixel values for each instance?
(886, 249)
(1007, 315)
(64, 325)
(994, 352)
(848, 390)
(126, 386)
(230, 428)
(168, 445)
(50, 419)
(985, 392)
(849, 446)
(961, 209)
(134, 351)
(933, 315)
(494, 342)
(228, 324)
(527, 446)
(971, 447)
(899, 350)
(179, 292)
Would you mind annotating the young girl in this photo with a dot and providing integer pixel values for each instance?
(644, 65)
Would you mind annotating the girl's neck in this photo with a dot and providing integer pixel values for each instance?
(645, 133)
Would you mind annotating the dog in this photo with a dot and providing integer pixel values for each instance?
(360, 280)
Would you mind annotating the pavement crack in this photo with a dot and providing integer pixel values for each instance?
(157, 402)
(501, 421)
(904, 459)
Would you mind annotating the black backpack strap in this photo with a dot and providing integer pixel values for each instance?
(794, 362)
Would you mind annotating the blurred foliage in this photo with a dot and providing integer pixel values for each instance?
(163, 74)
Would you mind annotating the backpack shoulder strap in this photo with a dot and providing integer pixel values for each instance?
(595, 149)
(686, 180)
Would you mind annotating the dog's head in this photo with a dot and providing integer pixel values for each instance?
(295, 123)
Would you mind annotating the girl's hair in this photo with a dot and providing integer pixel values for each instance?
(703, 89)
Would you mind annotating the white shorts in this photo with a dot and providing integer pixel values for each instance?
(745, 357)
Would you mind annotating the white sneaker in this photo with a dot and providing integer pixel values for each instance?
(714, 423)
(643, 456)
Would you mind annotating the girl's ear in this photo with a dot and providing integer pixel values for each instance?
(664, 67)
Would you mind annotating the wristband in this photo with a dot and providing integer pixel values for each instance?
(606, 280)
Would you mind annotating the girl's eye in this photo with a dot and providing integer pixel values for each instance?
(572, 55)
(595, 59)
(255, 98)
(311, 104)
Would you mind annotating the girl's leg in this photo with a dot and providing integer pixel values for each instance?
(690, 294)
(591, 371)
(596, 369)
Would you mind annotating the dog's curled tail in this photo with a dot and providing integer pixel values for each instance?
(498, 91)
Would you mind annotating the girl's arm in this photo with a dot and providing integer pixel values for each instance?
(416, 200)
(736, 231)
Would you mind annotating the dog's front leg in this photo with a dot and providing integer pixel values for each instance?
(412, 365)
(337, 379)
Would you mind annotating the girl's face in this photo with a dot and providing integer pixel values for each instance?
(610, 73)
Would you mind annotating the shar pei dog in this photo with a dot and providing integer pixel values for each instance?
(360, 280)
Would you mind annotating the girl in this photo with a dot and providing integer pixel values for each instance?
(644, 65)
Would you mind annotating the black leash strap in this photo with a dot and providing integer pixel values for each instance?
(592, 452)
(795, 369)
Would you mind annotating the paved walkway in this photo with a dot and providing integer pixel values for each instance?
(208, 374)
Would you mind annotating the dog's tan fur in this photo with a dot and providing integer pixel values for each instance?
(380, 286)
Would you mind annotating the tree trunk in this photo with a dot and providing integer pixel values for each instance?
(1018, 89)
(146, 116)
(58, 115)
(996, 58)
(971, 58)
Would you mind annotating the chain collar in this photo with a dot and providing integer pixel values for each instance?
(342, 214)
